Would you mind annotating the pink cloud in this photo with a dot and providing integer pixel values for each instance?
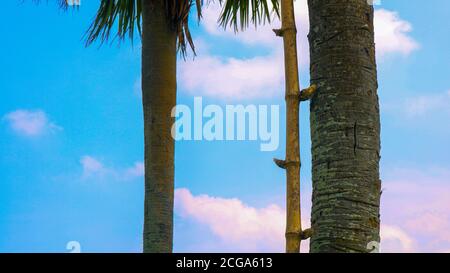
(394, 239)
(415, 216)
(417, 202)
(242, 228)
(232, 221)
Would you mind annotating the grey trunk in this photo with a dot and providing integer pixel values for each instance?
(345, 126)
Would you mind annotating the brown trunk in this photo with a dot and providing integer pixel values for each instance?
(159, 97)
(345, 126)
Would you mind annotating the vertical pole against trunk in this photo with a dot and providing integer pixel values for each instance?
(293, 96)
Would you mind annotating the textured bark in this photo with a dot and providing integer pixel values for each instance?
(345, 126)
(292, 94)
(159, 97)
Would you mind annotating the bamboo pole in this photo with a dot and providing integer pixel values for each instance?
(294, 233)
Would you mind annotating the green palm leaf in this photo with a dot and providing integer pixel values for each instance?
(122, 18)
(239, 13)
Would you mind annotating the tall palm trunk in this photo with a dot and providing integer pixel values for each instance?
(345, 126)
(159, 97)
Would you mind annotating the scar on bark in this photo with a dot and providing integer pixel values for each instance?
(306, 94)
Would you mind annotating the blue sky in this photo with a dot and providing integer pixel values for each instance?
(71, 134)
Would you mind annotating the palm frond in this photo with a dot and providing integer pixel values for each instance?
(123, 18)
(240, 13)
(126, 16)
(178, 12)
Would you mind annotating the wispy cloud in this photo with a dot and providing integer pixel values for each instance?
(423, 105)
(30, 123)
(94, 168)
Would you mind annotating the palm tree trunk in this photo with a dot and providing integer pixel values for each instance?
(292, 96)
(159, 97)
(345, 126)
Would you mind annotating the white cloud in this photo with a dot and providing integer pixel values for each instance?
(94, 168)
(425, 104)
(233, 78)
(392, 34)
(30, 123)
(263, 76)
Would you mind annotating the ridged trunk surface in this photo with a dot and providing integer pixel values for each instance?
(345, 126)
(159, 97)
